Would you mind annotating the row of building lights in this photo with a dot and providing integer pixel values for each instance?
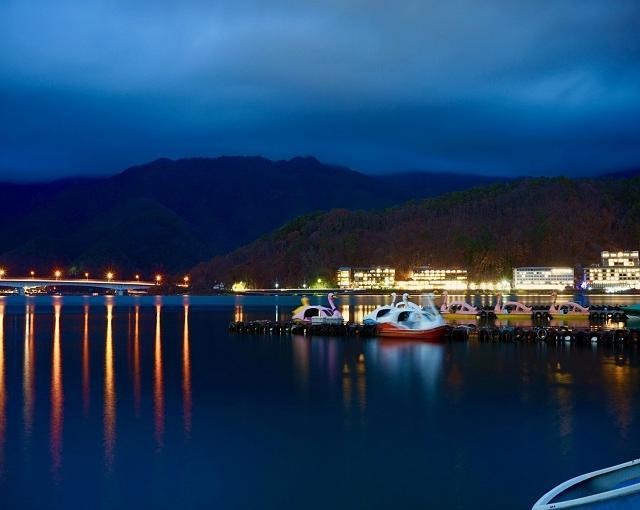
(109, 275)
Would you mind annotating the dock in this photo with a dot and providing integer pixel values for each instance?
(589, 334)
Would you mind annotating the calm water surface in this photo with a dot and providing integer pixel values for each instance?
(149, 402)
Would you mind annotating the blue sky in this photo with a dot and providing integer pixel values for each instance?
(496, 87)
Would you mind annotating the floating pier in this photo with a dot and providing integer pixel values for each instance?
(482, 333)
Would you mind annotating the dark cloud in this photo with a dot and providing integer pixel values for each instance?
(536, 87)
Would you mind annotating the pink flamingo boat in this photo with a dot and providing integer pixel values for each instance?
(506, 309)
(452, 309)
(313, 313)
(567, 309)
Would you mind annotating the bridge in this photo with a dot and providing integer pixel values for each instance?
(119, 286)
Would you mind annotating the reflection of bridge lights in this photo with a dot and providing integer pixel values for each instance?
(57, 274)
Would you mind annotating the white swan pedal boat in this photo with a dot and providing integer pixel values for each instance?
(408, 320)
(612, 488)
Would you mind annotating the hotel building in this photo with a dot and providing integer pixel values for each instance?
(344, 278)
(543, 278)
(427, 277)
(367, 278)
(617, 271)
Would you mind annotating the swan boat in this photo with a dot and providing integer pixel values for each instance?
(317, 313)
(616, 487)
(455, 309)
(382, 313)
(567, 309)
(506, 309)
(410, 321)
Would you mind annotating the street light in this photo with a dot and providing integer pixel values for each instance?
(86, 275)
(137, 277)
(186, 280)
(33, 274)
(2, 273)
(158, 279)
(109, 276)
(57, 274)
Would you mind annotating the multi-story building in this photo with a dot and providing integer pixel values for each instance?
(543, 278)
(375, 277)
(617, 271)
(427, 277)
(344, 278)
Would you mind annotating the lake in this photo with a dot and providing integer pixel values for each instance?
(142, 401)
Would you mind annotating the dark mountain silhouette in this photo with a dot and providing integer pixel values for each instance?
(489, 230)
(168, 215)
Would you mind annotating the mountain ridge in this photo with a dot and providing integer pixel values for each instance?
(489, 230)
(168, 215)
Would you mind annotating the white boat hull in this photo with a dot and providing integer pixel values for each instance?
(616, 487)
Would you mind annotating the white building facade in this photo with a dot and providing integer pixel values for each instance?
(543, 278)
(618, 271)
(366, 278)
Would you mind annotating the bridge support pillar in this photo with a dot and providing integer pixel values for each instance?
(21, 291)
(120, 292)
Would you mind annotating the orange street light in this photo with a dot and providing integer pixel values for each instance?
(2, 273)
(57, 274)
(137, 277)
(186, 280)
(109, 276)
(158, 279)
(86, 275)
(33, 273)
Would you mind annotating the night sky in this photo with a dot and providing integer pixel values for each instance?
(496, 87)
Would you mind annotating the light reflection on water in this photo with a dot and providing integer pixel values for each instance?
(158, 385)
(3, 391)
(86, 385)
(57, 395)
(109, 392)
(186, 373)
(28, 372)
(158, 389)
